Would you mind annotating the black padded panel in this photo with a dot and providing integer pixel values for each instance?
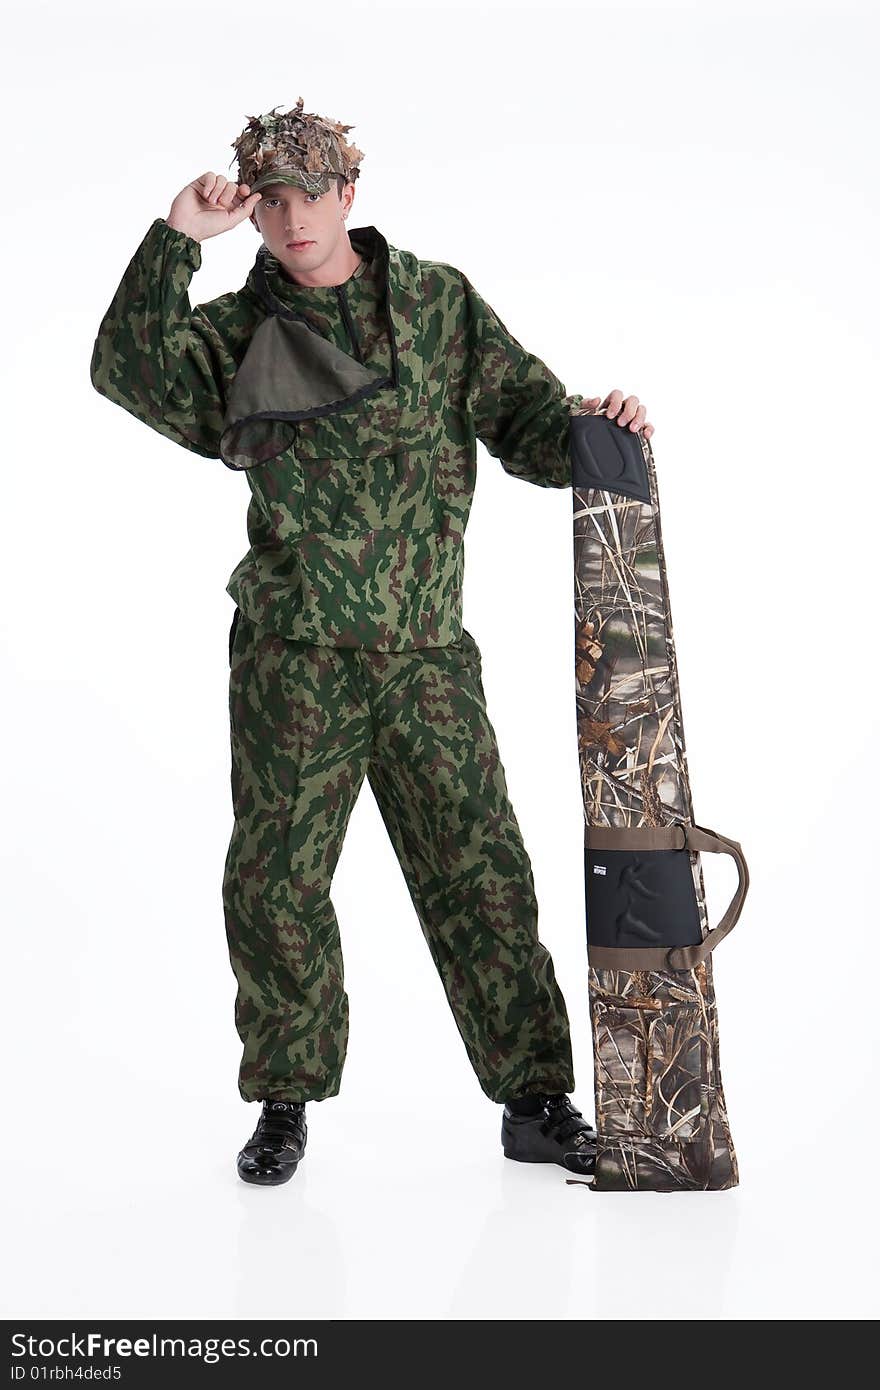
(607, 455)
(641, 898)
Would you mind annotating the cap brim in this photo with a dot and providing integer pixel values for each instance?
(313, 183)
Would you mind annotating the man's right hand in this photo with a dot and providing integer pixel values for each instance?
(211, 205)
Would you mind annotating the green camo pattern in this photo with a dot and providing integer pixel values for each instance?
(356, 524)
(307, 724)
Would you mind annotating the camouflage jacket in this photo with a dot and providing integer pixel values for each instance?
(354, 412)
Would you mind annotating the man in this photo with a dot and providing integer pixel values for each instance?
(350, 380)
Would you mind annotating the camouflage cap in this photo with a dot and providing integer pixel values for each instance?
(295, 147)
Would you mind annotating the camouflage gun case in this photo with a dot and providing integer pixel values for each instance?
(660, 1112)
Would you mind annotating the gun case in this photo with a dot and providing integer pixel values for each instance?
(661, 1119)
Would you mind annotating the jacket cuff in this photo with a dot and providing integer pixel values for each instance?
(184, 244)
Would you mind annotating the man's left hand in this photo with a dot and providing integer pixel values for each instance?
(625, 409)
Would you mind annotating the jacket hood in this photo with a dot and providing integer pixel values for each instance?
(291, 372)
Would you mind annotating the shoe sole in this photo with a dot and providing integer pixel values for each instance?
(517, 1158)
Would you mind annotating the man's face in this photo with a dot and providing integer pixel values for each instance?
(302, 230)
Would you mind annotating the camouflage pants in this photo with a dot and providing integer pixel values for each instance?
(307, 723)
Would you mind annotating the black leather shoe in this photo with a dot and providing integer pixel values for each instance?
(554, 1132)
(277, 1144)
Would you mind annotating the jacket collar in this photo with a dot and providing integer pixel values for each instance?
(267, 275)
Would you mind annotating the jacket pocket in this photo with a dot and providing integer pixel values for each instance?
(345, 497)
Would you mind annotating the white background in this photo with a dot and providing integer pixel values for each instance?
(679, 202)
